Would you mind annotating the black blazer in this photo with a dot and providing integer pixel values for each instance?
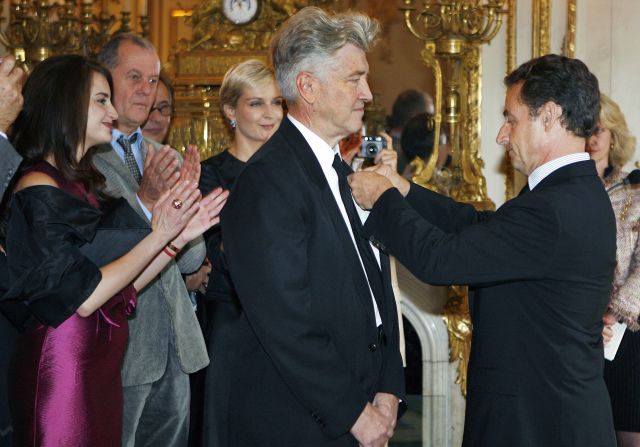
(540, 270)
(307, 356)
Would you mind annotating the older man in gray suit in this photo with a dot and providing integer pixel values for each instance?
(165, 341)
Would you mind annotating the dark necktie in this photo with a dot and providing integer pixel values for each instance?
(129, 159)
(365, 250)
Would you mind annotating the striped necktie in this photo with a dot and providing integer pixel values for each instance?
(129, 159)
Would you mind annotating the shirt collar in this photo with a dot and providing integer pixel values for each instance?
(542, 171)
(115, 134)
(323, 152)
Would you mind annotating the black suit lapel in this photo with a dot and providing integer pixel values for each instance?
(309, 163)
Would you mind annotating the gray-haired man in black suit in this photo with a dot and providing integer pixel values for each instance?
(314, 357)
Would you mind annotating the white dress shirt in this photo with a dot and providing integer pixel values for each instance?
(325, 155)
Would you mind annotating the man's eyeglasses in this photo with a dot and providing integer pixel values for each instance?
(164, 109)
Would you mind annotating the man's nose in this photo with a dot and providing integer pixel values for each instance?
(365, 92)
(502, 138)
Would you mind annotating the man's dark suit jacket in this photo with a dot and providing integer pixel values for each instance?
(307, 355)
(540, 269)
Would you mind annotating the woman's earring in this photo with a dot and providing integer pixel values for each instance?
(232, 123)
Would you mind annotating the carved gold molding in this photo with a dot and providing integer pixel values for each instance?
(458, 321)
(423, 172)
(541, 27)
(569, 46)
(512, 21)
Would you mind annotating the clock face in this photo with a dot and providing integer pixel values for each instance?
(240, 11)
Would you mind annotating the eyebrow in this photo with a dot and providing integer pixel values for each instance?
(106, 95)
(139, 73)
(357, 73)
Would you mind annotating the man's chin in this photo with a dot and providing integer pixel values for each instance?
(356, 127)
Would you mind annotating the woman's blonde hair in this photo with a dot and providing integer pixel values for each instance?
(249, 73)
(623, 144)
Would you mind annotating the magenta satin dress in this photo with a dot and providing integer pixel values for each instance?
(64, 382)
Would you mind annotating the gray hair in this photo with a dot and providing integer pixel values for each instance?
(308, 40)
(108, 55)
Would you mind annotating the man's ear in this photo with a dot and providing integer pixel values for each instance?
(306, 84)
(550, 113)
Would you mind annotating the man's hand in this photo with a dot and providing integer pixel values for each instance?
(372, 428)
(387, 404)
(399, 182)
(190, 169)
(159, 174)
(367, 187)
(11, 79)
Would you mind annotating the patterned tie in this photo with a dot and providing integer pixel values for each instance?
(129, 159)
(366, 252)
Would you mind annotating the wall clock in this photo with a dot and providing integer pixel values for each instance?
(240, 12)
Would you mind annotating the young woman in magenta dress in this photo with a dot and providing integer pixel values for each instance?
(76, 259)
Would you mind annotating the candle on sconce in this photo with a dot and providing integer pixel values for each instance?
(142, 7)
(127, 6)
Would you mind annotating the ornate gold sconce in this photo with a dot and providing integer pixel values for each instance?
(453, 31)
(39, 29)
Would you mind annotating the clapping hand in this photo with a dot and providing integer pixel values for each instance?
(175, 208)
(11, 79)
(161, 173)
(190, 170)
(206, 216)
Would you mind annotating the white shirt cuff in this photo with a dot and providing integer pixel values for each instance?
(144, 208)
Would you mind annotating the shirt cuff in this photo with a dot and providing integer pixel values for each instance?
(4, 135)
(144, 208)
